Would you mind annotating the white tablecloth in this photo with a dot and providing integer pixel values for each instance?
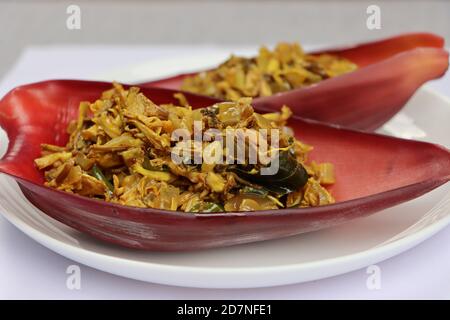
(29, 270)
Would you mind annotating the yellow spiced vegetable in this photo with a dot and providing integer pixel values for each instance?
(286, 67)
(122, 149)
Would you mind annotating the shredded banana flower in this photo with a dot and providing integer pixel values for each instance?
(286, 67)
(120, 150)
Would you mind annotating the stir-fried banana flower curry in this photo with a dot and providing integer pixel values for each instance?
(121, 150)
(285, 68)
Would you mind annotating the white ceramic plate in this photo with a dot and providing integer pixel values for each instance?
(296, 259)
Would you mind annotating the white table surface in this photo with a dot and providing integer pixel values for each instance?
(31, 271)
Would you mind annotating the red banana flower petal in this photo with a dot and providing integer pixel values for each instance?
(391, 70)
(373, 172)
(375, 51)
